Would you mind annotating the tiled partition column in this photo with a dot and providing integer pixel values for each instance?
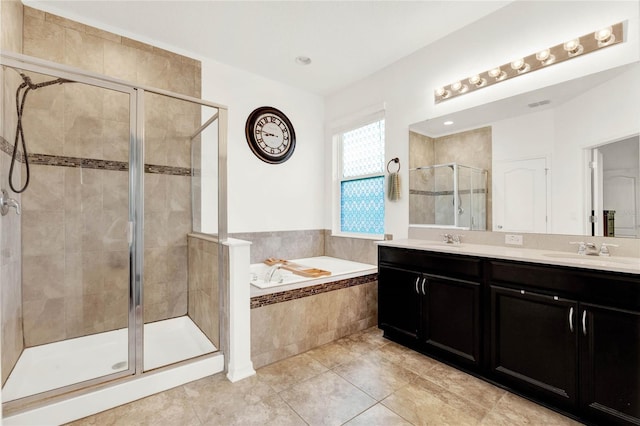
(204, 291)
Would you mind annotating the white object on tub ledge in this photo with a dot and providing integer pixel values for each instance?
(339, 268)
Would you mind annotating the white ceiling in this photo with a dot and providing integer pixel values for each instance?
(346, 40)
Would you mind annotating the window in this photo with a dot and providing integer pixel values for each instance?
(361, 179)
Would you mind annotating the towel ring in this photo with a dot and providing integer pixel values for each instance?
(394, 160)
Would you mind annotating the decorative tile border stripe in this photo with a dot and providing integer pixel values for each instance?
(7, 148)
(283, 296)
(90, 163)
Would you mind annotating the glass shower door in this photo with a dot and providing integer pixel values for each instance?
(68, 319)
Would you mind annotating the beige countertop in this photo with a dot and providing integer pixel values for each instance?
(548, 257)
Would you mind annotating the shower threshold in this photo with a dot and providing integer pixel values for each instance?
(54, 365)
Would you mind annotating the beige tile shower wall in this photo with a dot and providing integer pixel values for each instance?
(471, 148)
(204, 297)
(10, 237)
(75, 219)
(284, 329)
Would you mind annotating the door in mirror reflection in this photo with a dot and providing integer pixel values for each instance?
(520, 188)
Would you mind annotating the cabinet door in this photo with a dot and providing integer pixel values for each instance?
(610, 363)
(399, 301)
(451, 315)
(534, 344)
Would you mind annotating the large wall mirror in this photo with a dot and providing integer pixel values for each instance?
(564, 159)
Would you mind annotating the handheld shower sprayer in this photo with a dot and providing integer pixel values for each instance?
(21, 97)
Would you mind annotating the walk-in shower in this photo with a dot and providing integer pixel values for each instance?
(97, 282)
(448, 195)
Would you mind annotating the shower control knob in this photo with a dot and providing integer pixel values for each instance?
(6, 202)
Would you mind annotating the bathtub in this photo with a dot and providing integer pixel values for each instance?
(284, 280)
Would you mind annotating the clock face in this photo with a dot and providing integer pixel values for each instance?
(270, 135)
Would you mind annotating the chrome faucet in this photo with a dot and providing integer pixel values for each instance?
(451, 239)
(588, 249)
(268, 276)
(604, 249)
(6, 202)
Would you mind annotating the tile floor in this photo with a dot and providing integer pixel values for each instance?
(362, 379)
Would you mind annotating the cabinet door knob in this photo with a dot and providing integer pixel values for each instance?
(417, 281)
(571, 319)
(584, 322)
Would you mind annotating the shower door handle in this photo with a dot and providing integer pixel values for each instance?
(130, 233)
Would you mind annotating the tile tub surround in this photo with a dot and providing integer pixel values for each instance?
(309, 243)
(361, 379)
(290, 327)
(204, 294)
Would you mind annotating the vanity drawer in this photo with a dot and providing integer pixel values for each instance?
(618, 289)
(451, 265)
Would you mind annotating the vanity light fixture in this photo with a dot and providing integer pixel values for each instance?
(572, 48)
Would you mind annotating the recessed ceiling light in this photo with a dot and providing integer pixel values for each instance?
(448, 123)
(303, 60)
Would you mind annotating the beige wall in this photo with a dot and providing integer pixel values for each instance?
(288, 328)
(75, 252)
(10, 266)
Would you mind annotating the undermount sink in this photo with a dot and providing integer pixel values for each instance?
(575, 256)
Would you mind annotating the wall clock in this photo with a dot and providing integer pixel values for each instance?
(270, 135)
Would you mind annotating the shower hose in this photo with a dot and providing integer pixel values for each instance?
(23, 90)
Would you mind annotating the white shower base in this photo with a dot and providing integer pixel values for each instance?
(54, 365)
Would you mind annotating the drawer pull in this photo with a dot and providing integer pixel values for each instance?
(584, 322)
(417, 280)
(571, 319)
(424, 280)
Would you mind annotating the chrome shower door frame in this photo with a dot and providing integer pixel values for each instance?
(136, 219)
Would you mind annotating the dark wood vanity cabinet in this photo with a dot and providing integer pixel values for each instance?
(399, 302)
(566, 337)
(534, 343)
(610, 364)
(431, 303)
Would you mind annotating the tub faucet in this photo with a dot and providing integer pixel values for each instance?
(6, 202)
(268, 276)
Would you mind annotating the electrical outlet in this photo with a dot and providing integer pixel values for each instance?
(514, 240)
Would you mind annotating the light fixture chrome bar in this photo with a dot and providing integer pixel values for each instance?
(570, 49)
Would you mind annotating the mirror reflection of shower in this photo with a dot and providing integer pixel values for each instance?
(448, 195)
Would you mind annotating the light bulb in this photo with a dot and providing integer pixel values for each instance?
(477, 81)
(456, 86)
(573, 47)
(604, 36)
(520, 65)
(441, 92)
(497, 73)
(545, 57)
